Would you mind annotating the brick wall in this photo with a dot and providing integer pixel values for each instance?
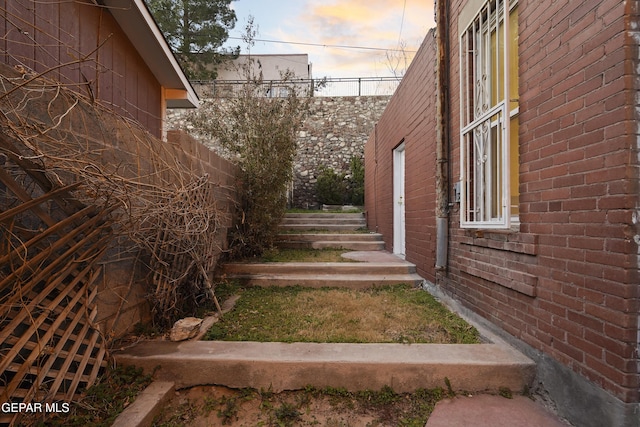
(579, 185)
(565, 281)
(409, 118)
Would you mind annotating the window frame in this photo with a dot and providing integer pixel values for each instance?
(486, 112)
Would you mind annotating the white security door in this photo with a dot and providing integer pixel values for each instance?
(399, 231)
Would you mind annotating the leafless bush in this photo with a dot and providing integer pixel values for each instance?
(166, 208)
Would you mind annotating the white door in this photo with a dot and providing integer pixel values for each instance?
(399, 231)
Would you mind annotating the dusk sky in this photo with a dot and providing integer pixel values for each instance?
(379, 24)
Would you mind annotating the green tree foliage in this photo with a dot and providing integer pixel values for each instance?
(331, 188)
(196, 31)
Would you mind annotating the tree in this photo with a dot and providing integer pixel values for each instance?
(398, 60)
(196, 31)
(260, 133)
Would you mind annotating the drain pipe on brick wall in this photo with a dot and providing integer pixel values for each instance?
(442, 134)
(375, 174)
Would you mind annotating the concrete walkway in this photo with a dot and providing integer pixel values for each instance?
(481, 410)
(492, 411)
(471, 368)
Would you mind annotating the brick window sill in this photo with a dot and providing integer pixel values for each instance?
(504, 240)
(509, 269)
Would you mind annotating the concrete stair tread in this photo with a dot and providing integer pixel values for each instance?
(336, 242)
(355, 245)
(147, 405)
(290, 366)
(349, 281)
(323, 227)
(353, 241)
(313, 237)
(324, 215)
(315, 268)
(321, 265)
(328, 277)
(322, 220)
(378, 269)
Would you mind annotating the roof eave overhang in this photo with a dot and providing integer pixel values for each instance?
(138, 24)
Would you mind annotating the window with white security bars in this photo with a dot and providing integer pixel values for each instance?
(489, 118)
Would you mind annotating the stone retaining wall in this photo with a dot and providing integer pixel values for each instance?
(335, 131)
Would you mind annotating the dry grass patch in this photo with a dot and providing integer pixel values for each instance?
(398, 314)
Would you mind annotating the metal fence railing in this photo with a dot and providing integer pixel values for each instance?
(350, 86)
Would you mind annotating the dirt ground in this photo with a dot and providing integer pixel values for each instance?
(211, 406)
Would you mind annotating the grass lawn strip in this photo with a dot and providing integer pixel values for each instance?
(100, 405)
(395, 314)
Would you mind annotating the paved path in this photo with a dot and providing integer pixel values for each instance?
(492, 411)
(292, 366)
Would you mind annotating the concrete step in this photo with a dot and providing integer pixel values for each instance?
(324, 215)
(322, 274)
(290, 221)
(355, 241)
(293, 366)
(322, 221)
(331, 237)
(313, 268)
(147, 405)
(333, 244)
(351, 281)
(321, 227)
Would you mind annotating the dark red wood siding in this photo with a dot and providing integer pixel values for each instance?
(81, 45)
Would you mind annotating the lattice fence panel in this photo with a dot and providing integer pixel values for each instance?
(49, 247)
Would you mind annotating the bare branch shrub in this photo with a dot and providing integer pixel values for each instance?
(164, 207)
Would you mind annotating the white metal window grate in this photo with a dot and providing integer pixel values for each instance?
(485, 120)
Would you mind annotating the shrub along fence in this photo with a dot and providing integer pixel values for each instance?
(101, 225)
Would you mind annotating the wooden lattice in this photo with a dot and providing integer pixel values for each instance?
(49, 247)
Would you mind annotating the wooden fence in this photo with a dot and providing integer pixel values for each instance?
(50, 347)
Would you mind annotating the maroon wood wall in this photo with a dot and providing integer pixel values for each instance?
(80, 45)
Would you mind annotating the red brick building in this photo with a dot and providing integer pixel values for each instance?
(525, 207)
(109, 50)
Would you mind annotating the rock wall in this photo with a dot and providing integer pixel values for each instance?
(335, 131)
